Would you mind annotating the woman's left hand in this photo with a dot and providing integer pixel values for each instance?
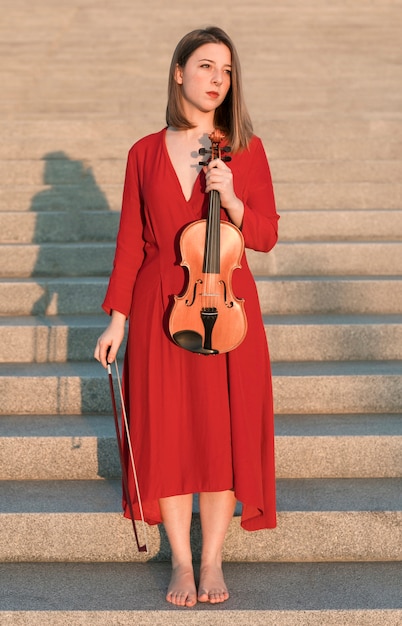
(219, 176)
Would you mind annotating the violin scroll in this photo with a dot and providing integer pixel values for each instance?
(215, 151)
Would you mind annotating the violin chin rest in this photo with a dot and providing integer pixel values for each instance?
(192, 341)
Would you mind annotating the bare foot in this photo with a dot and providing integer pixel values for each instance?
(182, 590)
(212, 586)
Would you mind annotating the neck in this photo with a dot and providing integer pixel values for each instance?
(192, 135)
(203, 122)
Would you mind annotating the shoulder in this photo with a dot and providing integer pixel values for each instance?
(255, 145)
(148, 142)
(254, 150)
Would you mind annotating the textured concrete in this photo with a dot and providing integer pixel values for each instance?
(58, 226)
(57, 169)
(295, 225)
(69, 296)
(339, 520)
(307, 446)
(341, 387)
(337, 225)
(311, 259)
(333, 387)
(289, 295)
(334, 295)
(49, 339)
(330, 258)
(333, 338)
(205, 617)
(32, 339)
(287, 594)
(288, 196)
(84, 259)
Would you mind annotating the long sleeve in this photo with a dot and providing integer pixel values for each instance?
(260, 222)
(129, 253)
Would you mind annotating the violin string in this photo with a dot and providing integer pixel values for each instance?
(212, 252)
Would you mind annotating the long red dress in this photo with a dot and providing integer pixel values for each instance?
(198, 423)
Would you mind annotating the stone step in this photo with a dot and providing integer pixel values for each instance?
(60, 198)
(315, 225)
(58, 226)
(333, 337)
(328, 258)
(262, 594)
(344, 196)
(338, 446)
(333, 225)
(320, 387)
(51, 339)
(58, 260)
(338, 387)
(336, 295)
(83, 447)
(286, 137)
(291, 295)
(339, 519)
(286, 259)
(338, 171)
(61, 171)
(64, 296)
(289, 195)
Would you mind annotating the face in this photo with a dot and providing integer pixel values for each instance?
(205, 78)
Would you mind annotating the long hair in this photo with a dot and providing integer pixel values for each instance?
(231, 116)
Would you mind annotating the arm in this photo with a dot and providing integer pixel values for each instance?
(246, 193)
(129, 253)
(128, 259)
(260, 220)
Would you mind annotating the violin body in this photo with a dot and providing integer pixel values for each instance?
(208, 318)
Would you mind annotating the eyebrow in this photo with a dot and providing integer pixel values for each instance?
(214, 62)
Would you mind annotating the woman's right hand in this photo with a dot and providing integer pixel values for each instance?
(110, 340)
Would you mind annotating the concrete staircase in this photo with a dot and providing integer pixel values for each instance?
(78, 90)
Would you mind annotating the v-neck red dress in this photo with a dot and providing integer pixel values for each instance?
(198, 423)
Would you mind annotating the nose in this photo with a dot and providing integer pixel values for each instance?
(217, 78)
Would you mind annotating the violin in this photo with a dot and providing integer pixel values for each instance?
(208, 318)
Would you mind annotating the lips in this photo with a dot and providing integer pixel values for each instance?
(213, 94)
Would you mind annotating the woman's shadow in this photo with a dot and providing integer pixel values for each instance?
(72, 209)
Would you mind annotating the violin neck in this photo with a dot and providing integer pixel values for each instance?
(212, 239)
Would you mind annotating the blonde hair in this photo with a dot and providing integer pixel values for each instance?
(231, 117)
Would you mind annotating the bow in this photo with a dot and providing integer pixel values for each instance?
(119, 436)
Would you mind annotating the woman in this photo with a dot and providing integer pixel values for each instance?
(198, 424)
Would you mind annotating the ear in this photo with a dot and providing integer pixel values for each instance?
(178, 75)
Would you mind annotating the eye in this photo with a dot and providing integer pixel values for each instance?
(206, 65)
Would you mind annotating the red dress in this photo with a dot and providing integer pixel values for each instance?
(198, 423)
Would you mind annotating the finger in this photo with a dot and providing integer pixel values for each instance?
(104, 355)
(217, 163)
(109, 356)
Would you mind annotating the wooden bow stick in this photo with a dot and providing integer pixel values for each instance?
(119, 436)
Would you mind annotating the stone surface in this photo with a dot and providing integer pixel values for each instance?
(340, 520)
(288, 594)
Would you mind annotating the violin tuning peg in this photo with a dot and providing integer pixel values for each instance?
(202, 162)
(226, 159)
(226, 149)
(203, 151)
